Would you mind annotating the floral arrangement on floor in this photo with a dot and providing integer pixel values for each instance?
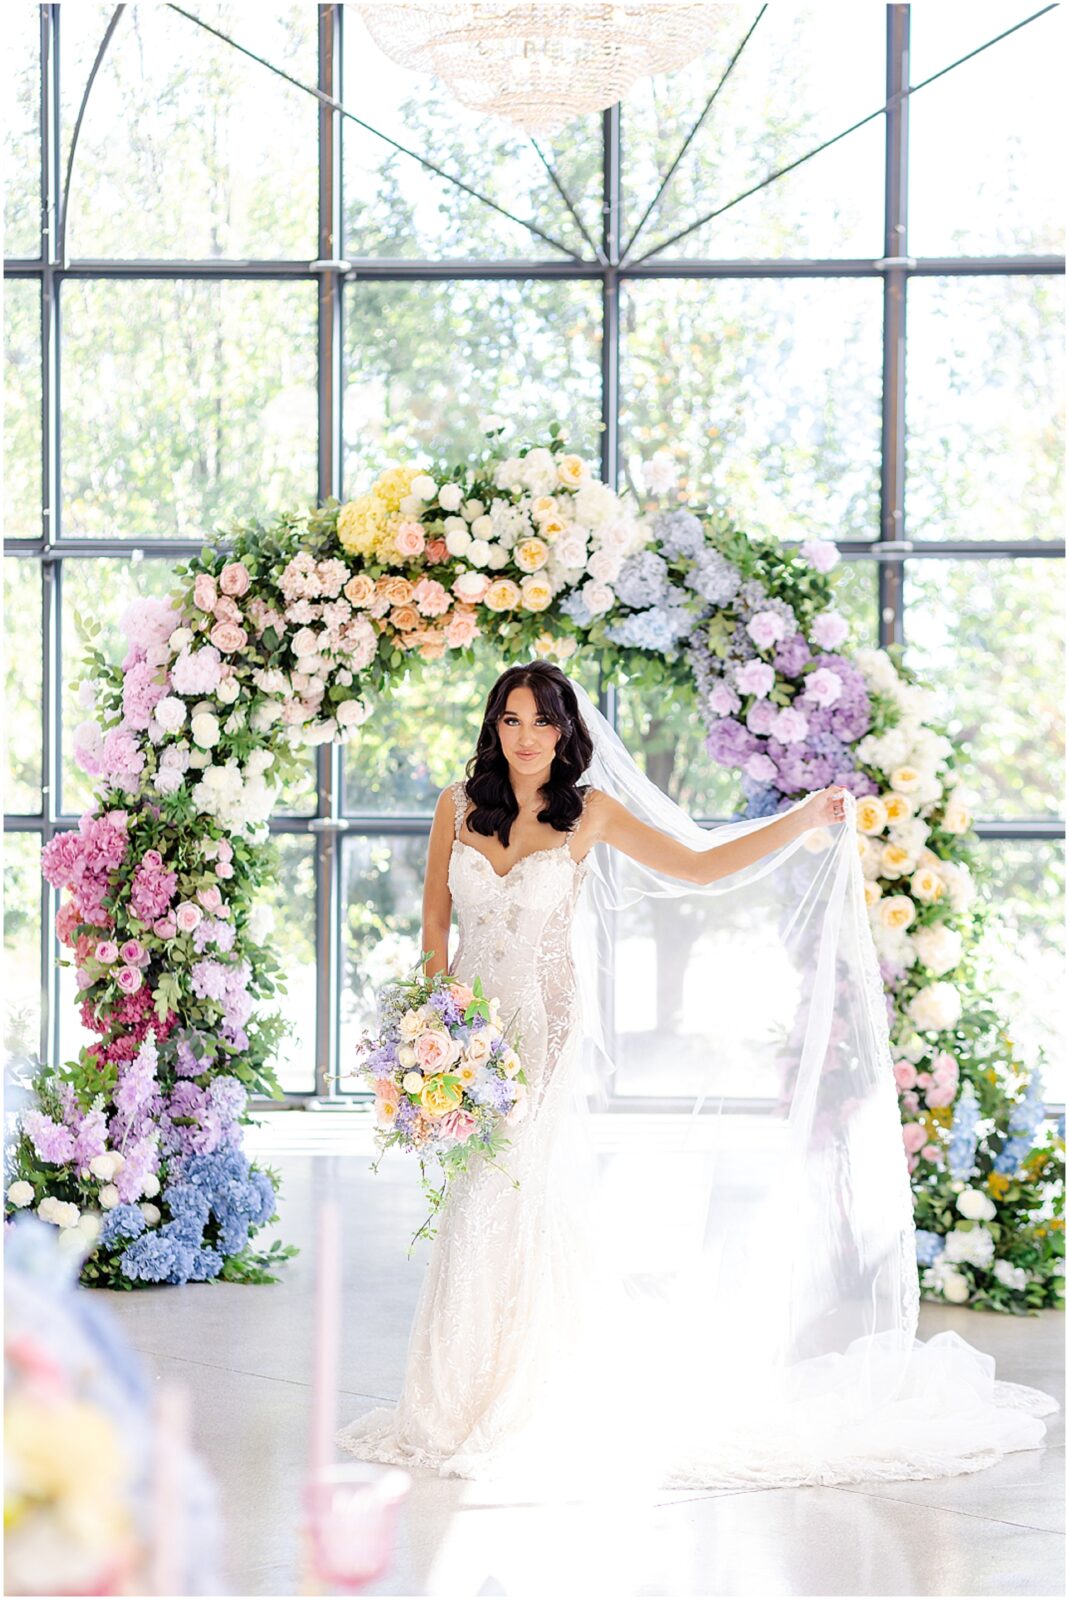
(84, 1444)
(447, 1079)
(283, 636)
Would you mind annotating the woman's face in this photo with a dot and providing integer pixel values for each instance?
(527, 738)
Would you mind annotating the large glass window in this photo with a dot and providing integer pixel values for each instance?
(865, 346)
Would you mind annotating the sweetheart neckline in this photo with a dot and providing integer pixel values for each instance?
(547, 850)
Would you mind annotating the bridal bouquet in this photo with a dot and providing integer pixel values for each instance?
(447, 1079)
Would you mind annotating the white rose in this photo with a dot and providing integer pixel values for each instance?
(66, 1214)
(457, 542)
(976, 1205)
(228, 691)
(150, 1212)
(483, 527)
(469, 586)
(938, 947)
(179, 638)
(570, 550)
(21, 1193)
(107, 1165)
(477, 1049)
(151, 1185)
(597, 597)
(411, 1023)
(412, 1082)
(454, 525)
(205, 730)
(957, 817)
(351, 713)
(479, 551)
(170, 713)
(935, 1007)
(496, 557)
(109, 1196)
(604, 565)
(406, 1055)
(450, 496)
(423, 485)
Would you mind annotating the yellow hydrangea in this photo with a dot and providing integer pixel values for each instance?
(394, 484)
(362, 523)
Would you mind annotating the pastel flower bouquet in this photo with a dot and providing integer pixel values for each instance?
(447, 1078)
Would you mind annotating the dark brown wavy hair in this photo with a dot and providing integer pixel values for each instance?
(487, 783)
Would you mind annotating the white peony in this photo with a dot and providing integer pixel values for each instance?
(935, 1007)
(482, 527)
(20, 1193)
(449, 496)
(150, 1212)
(423, 485)
(109, 1197)
(976, 1205)
(478, 552)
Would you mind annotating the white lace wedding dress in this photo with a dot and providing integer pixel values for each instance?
(490, 1343)
(528, 1361)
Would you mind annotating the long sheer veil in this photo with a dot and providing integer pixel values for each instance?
(738, 1151)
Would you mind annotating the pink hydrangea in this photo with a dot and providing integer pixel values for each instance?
(196, 671)
(152, 888)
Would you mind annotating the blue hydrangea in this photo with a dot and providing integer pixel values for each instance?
(643, 579)
(207, 1264)
(644, 630)
(158, 1257)
(680, 533)
(714, 577)
(122, 1222)
(573, 605)
(929, 1246)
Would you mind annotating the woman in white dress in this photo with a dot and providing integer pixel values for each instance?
(529, 1326)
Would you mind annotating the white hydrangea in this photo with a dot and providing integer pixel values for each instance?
(961, 890)
(1009, 1275)
(974, 1247)
(942, 1278)
(877, 669)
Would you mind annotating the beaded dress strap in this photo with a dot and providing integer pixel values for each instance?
(459, 801)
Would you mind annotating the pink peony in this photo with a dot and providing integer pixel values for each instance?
(932, 1152)
(187, 915)
(905, 1074)
(723, 700)
(914, 1135)
(458, 1124)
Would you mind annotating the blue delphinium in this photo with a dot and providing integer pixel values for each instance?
(961, 1155)
(1025, 1120)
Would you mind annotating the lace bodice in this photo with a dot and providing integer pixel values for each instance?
(515, 934)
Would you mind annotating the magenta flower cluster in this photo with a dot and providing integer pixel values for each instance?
(82, 861)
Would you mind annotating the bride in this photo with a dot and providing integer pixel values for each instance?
(707, 1278)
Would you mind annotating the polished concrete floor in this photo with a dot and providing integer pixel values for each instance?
(245, 1355)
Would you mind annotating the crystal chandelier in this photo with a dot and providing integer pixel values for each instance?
(541, 65)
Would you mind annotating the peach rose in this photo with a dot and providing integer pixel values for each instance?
(204, 592)
(409, 539)
(461, 630)
(228, 636)
(462, 993)
(405, 617)
(234, 578)
(536, 593)
(530, 554)
(359, 589)
(431, 646)
(431, 597)
(436, 551)
(397, 590)
(227, 610)
(432, 1051)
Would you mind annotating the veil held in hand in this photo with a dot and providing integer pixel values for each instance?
(736, 1156)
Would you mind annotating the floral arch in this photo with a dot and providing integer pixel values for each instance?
(286, 638)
